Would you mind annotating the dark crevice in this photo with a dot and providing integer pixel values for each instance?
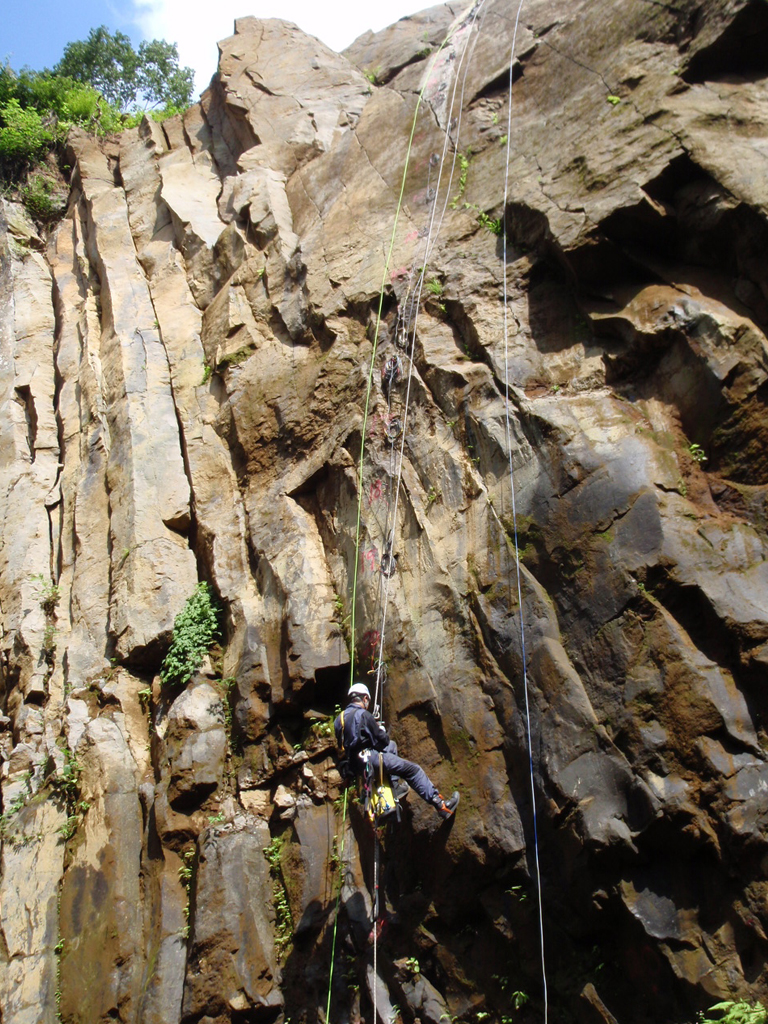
(740, 51)
(27, 402)
(691, 608)
(500, 85)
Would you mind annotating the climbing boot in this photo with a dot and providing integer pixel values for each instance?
(446, 808)
(400, 788)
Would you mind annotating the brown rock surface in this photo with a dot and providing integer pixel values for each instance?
(184, 368)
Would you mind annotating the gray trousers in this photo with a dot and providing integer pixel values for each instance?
(397, 767)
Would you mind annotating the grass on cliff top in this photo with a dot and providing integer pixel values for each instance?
(195, 630)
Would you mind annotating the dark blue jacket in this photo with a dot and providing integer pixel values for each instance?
(361, 732)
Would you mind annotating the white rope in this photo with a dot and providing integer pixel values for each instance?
(430, 241)
(375, 924)
(514, 522)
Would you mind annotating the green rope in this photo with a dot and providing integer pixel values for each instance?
(336, 912)
(373, 356)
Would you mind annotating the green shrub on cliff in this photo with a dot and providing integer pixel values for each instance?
(23, 136)
(735, 1012)
(195, 630)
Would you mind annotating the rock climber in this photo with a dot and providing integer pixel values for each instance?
(361, 737)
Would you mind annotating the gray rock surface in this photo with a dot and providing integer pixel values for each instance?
(185, 361)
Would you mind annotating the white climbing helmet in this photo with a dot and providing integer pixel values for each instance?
(359, 690)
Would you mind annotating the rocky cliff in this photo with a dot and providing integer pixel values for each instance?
(191, 388)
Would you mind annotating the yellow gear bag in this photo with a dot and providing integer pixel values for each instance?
(382, 800)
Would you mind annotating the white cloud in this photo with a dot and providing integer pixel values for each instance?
(197, 25)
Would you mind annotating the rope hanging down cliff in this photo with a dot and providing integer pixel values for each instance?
(431, 239)
(458, 24)
(508, 430)
(467, 21)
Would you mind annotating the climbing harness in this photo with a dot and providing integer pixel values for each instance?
(380, 798)
(378, 795)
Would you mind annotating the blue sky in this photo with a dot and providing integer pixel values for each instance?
(34, 34)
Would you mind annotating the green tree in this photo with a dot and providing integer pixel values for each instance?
(160, 79)
(129, 79)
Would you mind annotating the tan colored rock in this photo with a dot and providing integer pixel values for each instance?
(195, 744)
(148, 552)
(32, 867)
(257, 70)
(101, 893)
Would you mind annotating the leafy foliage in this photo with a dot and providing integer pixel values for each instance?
(194, 631)
(101, 84)
(283, 917)
(697, 453)
(186, 877)
(149, 77)
(23, 136)
(44, 202)
(735, 1012)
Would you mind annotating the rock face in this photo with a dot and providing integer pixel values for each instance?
(194, 386)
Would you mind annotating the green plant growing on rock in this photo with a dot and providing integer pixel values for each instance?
(697, 453)
(41, 199)
(322, 729)
(492, 224)
(342, 619)
(12, 810)
(464, 159)
(226, 686)
(47, 592)
(68, 829)
(235, 359)
(66, 784)
(283, 917)
(734, 1012)
(195, 630)
(58, 952)
(186, 876)
(435, 287)
(67, 781)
